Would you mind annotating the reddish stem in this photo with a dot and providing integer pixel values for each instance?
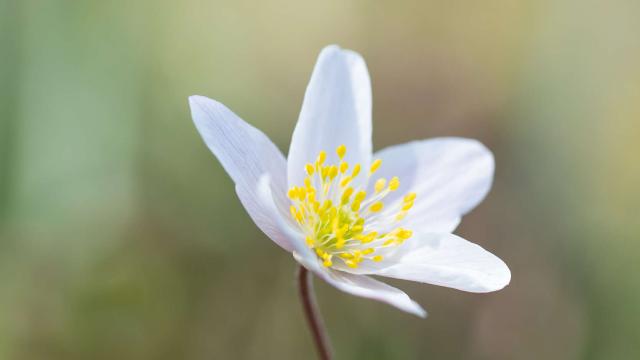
(314, 320)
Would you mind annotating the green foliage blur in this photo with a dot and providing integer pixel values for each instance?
(121, 236)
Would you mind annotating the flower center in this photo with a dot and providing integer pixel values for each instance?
(339, 221)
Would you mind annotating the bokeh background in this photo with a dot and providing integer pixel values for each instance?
(121, 236)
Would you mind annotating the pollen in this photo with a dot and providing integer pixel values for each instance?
(341, 222)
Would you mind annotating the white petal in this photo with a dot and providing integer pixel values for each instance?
(447, 260)
(264, 218)
(450, 176)
(336, 111)
(281, 222)
(363, 286)
(246, 154)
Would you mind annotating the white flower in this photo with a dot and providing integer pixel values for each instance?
(345, 216)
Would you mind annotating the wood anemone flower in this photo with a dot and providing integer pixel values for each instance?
(345, 213)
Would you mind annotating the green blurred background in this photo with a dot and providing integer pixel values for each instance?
(121, 236)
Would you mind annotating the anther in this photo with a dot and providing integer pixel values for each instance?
(346, 181)
(292, 193)
(333, 172)
(375, 165)
(346, 195)
(376, 206)
(309, 169)
(394, 183)
(407, 206)
(324, 172)
(322, 156)
(380, 183)
(404, 234)
(356, 170)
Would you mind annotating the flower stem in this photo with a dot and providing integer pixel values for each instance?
(314, 320)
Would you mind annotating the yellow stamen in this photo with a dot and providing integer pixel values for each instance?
(321, 157)
(328, 208)
(394, 183)
(407, 206)
(404, 234)
(368, 238)
(356, 170)
(377, 206)
(346, 181)
(346, 195)
(380, 183)
(324, 172)
(375, 165)
(309, 168)
(389, 242)
(410, 197)
(333, 172)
